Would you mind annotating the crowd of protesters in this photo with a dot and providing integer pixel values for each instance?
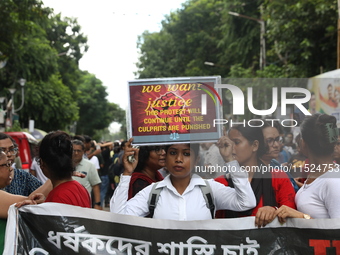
(79, 171)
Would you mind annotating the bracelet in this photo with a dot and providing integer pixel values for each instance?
(98, 203)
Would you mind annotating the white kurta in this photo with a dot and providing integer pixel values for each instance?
(321, 198)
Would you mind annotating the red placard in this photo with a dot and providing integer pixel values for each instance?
(175, 110)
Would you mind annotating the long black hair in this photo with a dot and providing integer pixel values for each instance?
(252, 134)
(320, 133)
(56, 153)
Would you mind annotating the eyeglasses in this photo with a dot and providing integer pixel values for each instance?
(77, 151)
(271, 141)
(11, 151)
(8, 165)
(159, 150)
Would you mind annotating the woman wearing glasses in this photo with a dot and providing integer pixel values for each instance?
(145, 169)
(274, 142)
(23, 183)
(271, 188)
(5, 171)
(6, 199)
(319, 196)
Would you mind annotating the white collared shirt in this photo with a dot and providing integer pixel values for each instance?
(191, 205)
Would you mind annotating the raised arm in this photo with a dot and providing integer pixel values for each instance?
(120, 195)
(241, 197)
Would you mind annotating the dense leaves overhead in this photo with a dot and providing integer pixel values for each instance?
(45, 49)
(300, 39)
(92, 103)
(303, 33)
(189, 37)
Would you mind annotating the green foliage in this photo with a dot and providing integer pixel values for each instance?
(241, 36)
(15, 127)
(65, 36)
(300, 39)
(303, 34)
(188, 38)
(92, 102)
(45, 49)
(50, 104)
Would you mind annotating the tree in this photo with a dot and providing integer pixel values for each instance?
(95, 111)
(23, 42)
(45, 49)
(188, 38)
(303, 34)
(50, 104)
(66, 38)
(300, 39)
(240, 36)
(31, 56)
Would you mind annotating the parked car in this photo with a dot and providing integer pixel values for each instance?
(26, 143)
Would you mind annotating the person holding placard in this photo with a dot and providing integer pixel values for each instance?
(181, 197)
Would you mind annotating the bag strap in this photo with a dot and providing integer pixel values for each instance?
(153, 199)
(208, 197)
(206, 191)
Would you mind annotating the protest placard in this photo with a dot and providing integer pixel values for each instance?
(168, 110)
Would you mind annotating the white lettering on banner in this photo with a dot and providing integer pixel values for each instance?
(251, 248)
(38, 251)
(204, 248)
(96, 243)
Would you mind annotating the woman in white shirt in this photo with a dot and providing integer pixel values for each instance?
(319, 196)
(181, 197)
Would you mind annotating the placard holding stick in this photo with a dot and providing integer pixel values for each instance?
(170, 110)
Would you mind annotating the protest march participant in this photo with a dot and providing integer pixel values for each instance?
(150, 160)
(271, 188)
(23, 183)
(297, 162)
(56, 154)
(6, 199)
(273, 143)
(91, 181)
(181, 197)
(55, 159)
(319, 196)
(5, 176)
(5, 179)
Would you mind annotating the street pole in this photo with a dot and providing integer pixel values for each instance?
(22, 83)
(263, 45)
(262, 38)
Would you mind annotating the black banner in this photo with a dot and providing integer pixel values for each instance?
(52, 228)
